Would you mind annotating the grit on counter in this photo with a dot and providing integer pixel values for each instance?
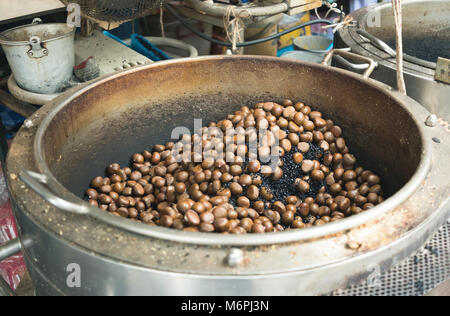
(241, 306)
(228, 143)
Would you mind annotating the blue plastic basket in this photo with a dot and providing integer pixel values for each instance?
(143, 46)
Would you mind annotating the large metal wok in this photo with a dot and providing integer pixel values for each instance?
(68, 141)
(426, 36)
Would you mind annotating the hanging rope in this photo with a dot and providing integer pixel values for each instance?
(397, 9)
(348, 21)
(234, 26)
(161, 21)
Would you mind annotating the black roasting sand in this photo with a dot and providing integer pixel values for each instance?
(285, 187)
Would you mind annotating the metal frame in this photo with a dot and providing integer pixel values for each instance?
(132, 279)
(369, 67)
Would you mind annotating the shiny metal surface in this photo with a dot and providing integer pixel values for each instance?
(350, 65)
(426, 33)
(9, 249)
(102, 275)
(371, 65)
(114, 260)
(105, 276)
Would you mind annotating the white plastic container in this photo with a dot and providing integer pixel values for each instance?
(41, 56)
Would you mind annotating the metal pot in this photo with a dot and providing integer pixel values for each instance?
(426, 35)
(68, 141)
(41, 56)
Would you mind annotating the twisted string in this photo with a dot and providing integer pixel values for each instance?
(397, 9)
(348, 21)
(234, 25)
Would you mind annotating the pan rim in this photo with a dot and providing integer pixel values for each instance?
(232, 240)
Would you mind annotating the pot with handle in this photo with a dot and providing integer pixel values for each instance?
(41, 56)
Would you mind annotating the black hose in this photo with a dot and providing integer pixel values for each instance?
(243, 44)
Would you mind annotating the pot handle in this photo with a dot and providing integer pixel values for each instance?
(38, 183)
(377, 42)
(37, 21)
(36, 51)
(9, 249)
(345, 53)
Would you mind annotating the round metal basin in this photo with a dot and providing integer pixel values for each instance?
(426, 36)
(426, 26)
(90, 130)
(68, 141)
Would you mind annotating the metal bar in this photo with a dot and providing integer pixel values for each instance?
(347, 54)
(388, 50)
(15, 105)
(191, 13)
(351, 65)
(377, 42)
(217, 9)
(420, 62)
(38, 183)
(9, 249)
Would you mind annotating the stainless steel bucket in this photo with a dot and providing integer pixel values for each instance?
(41, 56)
